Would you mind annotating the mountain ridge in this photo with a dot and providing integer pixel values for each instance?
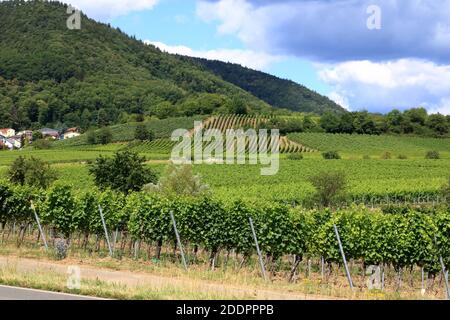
(98, 75)
(278, 92)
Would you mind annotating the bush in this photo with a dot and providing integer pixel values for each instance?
(432, 155)
(125, 172)
(37, 135)
(330, 188)
(366, 157)
(42, 144)
(179, 181)
(295, 156)
(402, 157)
(33, 172)
(386, 155)
(331, 155)
(91, 137)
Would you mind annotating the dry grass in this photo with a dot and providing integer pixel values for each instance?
(244, 283)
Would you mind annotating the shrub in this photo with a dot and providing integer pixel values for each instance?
(432, 155)
(331, 155)
(179, 181)
(330, 188)
(295, 156)
(42, 144)
(402, 157)
(33, 172)
(91, 137)
(366, 157)
(143, 134)
(104, 136)
(37, 135)
(386, 155)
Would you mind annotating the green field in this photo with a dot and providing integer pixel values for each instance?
(368, 178)
(374, 146)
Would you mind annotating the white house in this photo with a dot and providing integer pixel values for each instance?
(7, 132)
(15, 141)
(71, 134)
(8, 143)
(46, 132)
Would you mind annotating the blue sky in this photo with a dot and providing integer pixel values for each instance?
(364, 54)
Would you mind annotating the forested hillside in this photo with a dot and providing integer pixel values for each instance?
(277, 92)
(53, 76)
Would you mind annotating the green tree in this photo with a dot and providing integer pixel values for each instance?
(237, 106)
(104, 136)
(125, 172)
(438, 123)
(330, 122)
(417, 115)
(308, 124)
(164, 110)
(346, 123)
(91, 137)
(142, 133)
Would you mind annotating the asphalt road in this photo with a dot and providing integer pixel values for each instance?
(13, 293)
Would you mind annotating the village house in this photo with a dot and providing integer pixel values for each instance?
(9, 143)
(27, 134)
(7, 132)
(47, 132)
(71, 133)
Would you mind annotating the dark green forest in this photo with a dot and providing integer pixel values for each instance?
(277, 92)
(96, 76)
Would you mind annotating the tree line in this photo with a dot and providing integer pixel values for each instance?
(414, 121)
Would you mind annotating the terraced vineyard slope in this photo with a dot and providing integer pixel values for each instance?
(245, 122)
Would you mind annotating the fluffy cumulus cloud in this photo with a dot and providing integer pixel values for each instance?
(404, 64)
(381, 86)
(336, 31)
(107, 9)
(248, 58)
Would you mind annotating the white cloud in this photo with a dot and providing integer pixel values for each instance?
(339, 99)
(443, 107)
(336, 31)
(381, 86)
(247, 58)
(107, 9)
